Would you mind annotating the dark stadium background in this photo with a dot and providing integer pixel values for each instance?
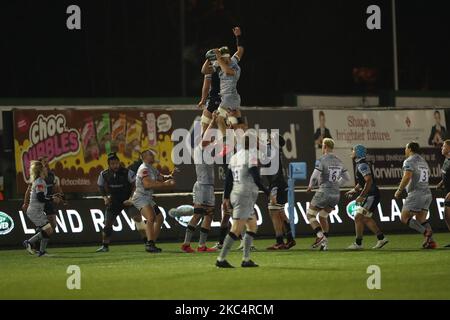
(134, 48)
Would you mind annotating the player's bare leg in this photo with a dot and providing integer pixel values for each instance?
(359, 231)
(417, 224)
(316, 226)
(43, 235)
(206, 119)
(290, 241)
(106, 233)
(140, 226)
(192, 226)
(429, 242)
(237, 228)
(278, 227)
(373, 226)
(323, 218)
(159, 220)
(252, 227)
(224, 227)
(204, 231)
(149, 214)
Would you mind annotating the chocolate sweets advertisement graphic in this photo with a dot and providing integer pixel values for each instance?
(77, 142)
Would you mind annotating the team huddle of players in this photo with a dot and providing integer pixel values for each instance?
(131, 189)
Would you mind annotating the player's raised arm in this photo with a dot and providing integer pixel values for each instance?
(223, 64)
(205, 90)
(239, 43)
(207, 68)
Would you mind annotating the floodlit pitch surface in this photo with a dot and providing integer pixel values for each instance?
(127, 272)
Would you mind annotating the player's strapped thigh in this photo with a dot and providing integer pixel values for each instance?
(223, 112)
(281, 199)
(205, 120)
(368, 206)
(311, 214)
(45, 230)
(45, 227)
(275, 209)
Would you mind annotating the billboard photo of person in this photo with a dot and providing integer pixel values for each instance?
(438, 132)
(322, 132)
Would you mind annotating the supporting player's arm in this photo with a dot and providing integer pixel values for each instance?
(205, 90)
(207, 68)
(239, 43)
(223, 65)
(407, 175)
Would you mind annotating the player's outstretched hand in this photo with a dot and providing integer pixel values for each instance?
(309, 189)
(350, 194)
(201, 104)
(398, 194)
(24, 207)
(359, 200)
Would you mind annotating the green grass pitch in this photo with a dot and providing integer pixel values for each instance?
(127, 272)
